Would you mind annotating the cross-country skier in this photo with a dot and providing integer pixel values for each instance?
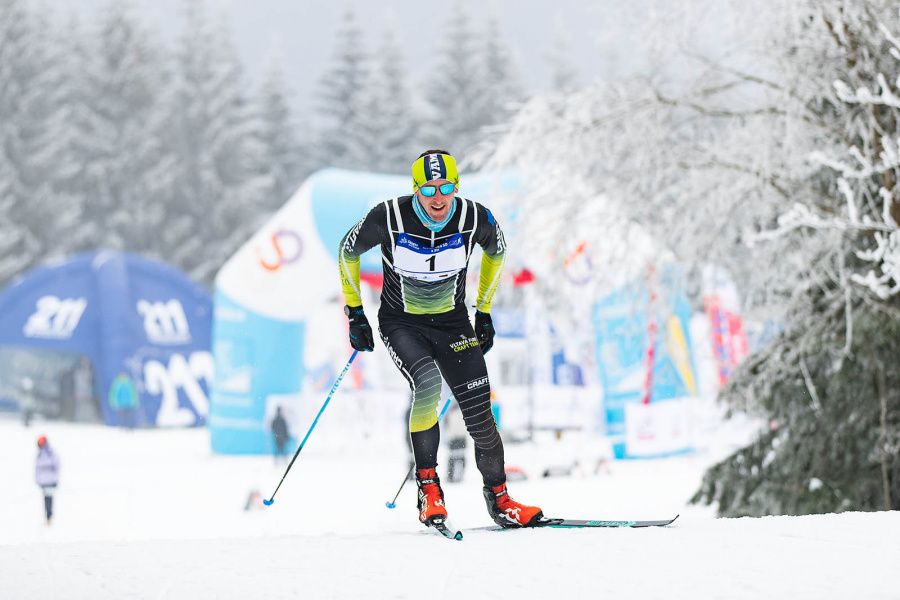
(426, 240)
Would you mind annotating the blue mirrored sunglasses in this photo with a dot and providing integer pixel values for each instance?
(429, 190)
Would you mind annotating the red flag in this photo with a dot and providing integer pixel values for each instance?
(523, 277)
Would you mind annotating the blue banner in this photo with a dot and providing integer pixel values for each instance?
(631, 372)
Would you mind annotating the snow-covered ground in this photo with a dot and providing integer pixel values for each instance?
(153, 514)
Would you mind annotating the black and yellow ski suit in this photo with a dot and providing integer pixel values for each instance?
(423, 320)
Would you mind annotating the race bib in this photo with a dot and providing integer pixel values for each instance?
(415, 260)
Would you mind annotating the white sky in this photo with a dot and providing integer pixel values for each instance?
(300, 33)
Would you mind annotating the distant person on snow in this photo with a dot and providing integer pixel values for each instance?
(83, 391)
(46, 474)
(425, 241)
(28, 401)
(280, 431)
(123, 398)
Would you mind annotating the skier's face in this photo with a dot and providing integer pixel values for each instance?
(437, 207)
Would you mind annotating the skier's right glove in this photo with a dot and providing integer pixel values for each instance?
(361, 337)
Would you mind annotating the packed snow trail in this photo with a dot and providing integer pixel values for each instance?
(852, 555)
(153, 514)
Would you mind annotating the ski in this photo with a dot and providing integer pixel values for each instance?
(445, 529)
(579, 524)
(584, 523)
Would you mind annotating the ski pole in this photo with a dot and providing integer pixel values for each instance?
(313, 426)
(392, 503)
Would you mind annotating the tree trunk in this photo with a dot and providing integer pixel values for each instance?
(883, 439)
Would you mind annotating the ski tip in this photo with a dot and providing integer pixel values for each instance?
(457, 535)
(390, 504)
(268, 502)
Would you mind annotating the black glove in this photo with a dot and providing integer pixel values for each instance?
(361, 337)
(484, 331)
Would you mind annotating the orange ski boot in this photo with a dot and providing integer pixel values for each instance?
(508, 513)
(431, 498)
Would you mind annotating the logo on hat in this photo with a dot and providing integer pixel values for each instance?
(434, 163)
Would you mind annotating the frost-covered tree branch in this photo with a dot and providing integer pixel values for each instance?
(774, 153)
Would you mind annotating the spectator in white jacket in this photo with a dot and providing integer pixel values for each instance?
(46, 473)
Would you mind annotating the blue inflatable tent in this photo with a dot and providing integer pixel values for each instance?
(144, 326)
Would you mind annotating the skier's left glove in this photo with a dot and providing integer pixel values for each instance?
(361, 337)
(484, 331)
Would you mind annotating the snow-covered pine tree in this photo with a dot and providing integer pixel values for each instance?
(13, 30)
(37, 216)
(563, 72)
(118, 121)
(287, 145)
(392, 121)
(454, 85)
(341, 98)
(221, 177)
(75, 127)
(504, 89)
